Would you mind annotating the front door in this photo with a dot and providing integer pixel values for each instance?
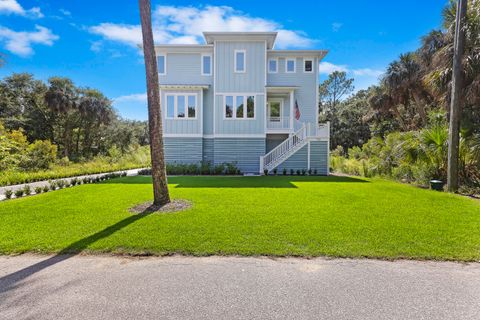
(274, 109)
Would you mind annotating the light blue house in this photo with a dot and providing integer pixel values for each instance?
(238, 100)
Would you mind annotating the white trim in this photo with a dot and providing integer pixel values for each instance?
(313, 68)
(240, 93)
(265, 89)
(281, 100)
(164, 55)
(183, 135)
(294, 65)
(183, 87)
(233, 136)
(201, 108)
(202, 62)
(175, 105)
(291, 110)
(244, 61)
(234, 111)
(214, 84)
(276, 65)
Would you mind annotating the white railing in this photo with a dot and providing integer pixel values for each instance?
(293, 143)
(278, 123)
(269, 160)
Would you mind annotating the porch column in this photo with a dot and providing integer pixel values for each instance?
(291, 110)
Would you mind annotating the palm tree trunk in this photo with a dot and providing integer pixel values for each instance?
(457, 98)
(420, 107)
(159, 177)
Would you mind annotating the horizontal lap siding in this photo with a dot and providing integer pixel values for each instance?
(245, 152)
(183, 150)
(298, 161)
(208, 150)
(319, 156)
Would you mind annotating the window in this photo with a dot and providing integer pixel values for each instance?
(290, 66)
(170, 106)
(228, 106)
(240, 107)
(162, 65)
(192, 106)
(206, 65)
(308, 65)
(181, 106)
(272, 65)
(239, 60)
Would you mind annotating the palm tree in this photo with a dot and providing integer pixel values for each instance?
(159, 176)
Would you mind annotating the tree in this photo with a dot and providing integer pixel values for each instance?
(457, 98)
(159, 176)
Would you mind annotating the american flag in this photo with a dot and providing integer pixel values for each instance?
(297, 111)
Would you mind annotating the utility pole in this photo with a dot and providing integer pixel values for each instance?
(456, 103)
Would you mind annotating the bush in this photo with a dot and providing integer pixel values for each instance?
(39, 155)
(19, 193)
(275, 171)
(27, 190)
(291, 172)
(53, 185)
(284, 171)
(145, 172)
(60, 184)
(73, 181)
(46, 188)
(86, 180)
(309, 172)
(265, 172)
(38, 190)
(8, 193)
(298, 172)
(315, 171)
(304, 171)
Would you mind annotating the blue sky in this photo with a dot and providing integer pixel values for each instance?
(93, 42)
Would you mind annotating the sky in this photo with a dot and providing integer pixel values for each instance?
(95, 42)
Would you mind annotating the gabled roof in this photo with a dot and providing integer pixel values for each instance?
(270, 37)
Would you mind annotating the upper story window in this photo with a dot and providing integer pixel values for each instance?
(308, 65)
(162, 64)
(290, 65)
(272, 66)
(181, 106)
(206, 65)
(240, 61)
(239, 107)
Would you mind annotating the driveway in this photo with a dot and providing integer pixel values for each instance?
(102, 287)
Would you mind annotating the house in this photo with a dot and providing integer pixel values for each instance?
(238, 100)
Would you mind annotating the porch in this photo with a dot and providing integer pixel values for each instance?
(280, 109)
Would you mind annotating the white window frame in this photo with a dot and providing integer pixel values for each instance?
(294, 65)
(202, 66)
(175, 105)
(276, 64)
(164, 55)
(304, 67)
(234, 111)
(279, 100)
(244, 61)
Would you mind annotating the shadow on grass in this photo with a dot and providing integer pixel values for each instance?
(11, 281)
(238, 181)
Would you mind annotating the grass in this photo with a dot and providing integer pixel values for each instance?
(278, 216)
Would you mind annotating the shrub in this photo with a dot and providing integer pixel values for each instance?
(265, 172)
(145, 172)
(39, 155)
(230, 168)
(304, 171)
(8, 193)
(46, 188)
(309, 172)
(298, 172)
(291, 172)
(275, 171)
(219, 169)
(53, 185)
(60, 184)
(86, 180)
(27, 190)
(19, 193)
(284, 171)
(67, 184)
(38, 190)
(73, 181)
(315, 171)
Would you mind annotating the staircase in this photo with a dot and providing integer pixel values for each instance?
(284, 150)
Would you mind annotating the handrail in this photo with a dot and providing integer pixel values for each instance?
(285, 147)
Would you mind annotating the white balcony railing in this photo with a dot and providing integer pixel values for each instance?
(278, 123)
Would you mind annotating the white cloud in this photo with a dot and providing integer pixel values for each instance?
(327, 68)
(20, 42)
(367, 72)
(13, 7)
(65, 12)
(136, 97)
(336, 26)
(176, 25)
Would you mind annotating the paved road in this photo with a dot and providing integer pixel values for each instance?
(86, 287)
(32, 185)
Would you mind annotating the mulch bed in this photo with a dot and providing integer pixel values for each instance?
(174, 206)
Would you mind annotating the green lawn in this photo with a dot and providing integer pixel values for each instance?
(298, 216)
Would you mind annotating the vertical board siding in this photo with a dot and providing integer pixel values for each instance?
(297, 161)
(207, 111)
(185, 68)
(245, 152)
(208, 145)
(306, 94)
(183, 150)
(319, 156)
(243, 126)
(182, 126)
(253, 80)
